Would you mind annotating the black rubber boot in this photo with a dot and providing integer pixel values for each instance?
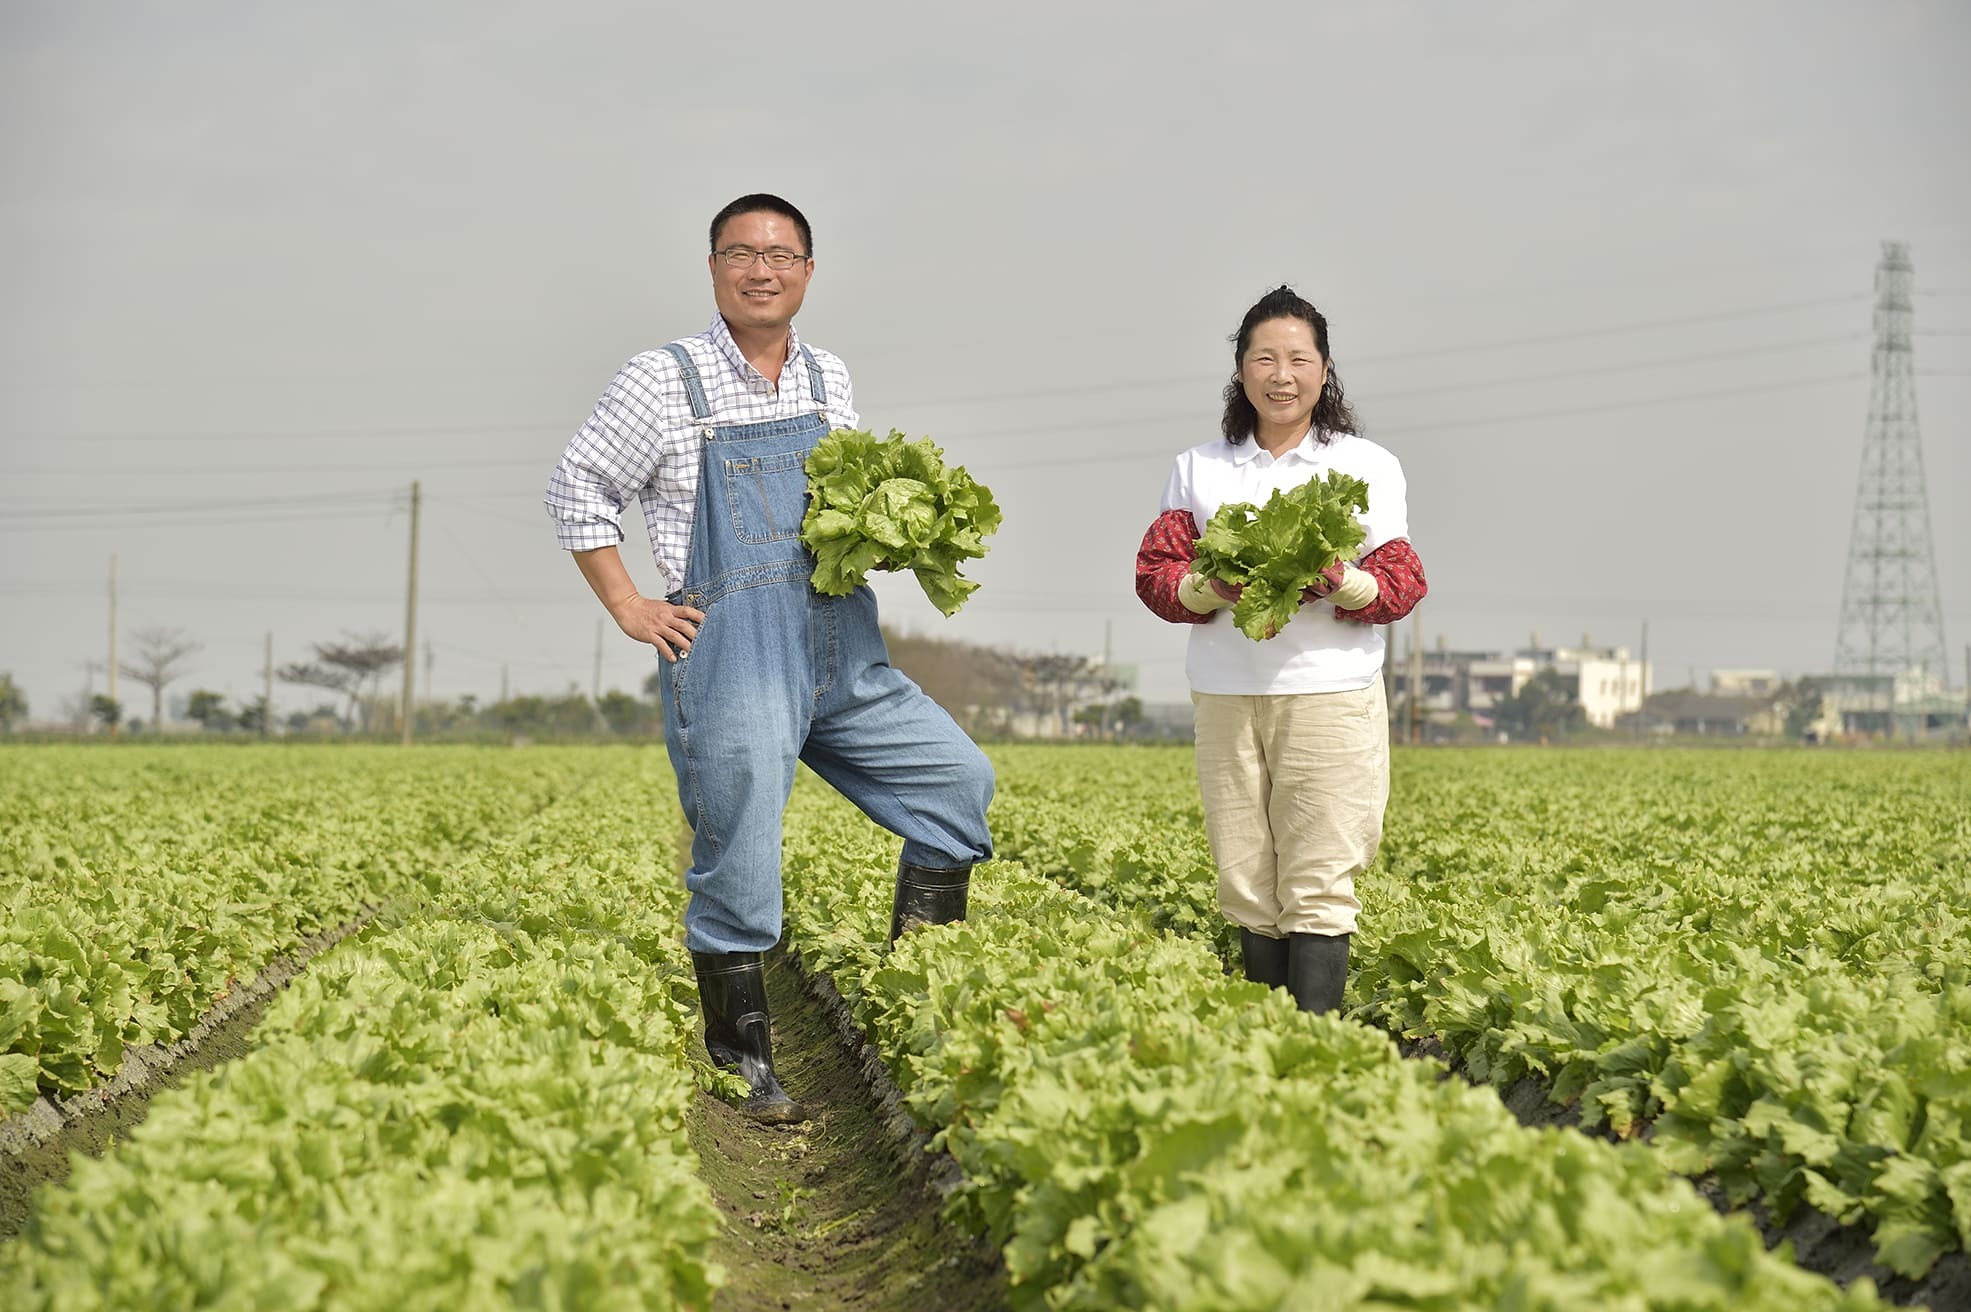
(1317, 970)
(1266, 958)
(732, 992)
(927, 895)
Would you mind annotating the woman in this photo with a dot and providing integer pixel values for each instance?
(1292, 732)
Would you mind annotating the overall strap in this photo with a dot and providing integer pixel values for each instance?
(819, 392)
(700, 408)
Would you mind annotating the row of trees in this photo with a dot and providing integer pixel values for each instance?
(994, 693)
(158, 660)
(990, 691)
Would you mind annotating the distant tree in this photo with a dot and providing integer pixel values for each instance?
(567, 716)
(209, 709)
(442, 717)
(625, 714)
(13, 703)
(1054, 684)
(1798, 702)
(253, 716)
(978, 686)
(1128, 714)
(307, 721)
(106, 709)
(314, 674)
(350, 667)
(161, 655)
(1111, 719)
(1548, 706)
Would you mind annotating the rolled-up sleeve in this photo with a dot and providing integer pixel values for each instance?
(611, 458)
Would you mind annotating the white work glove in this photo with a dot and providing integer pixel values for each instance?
(1347, 587)
(1202, 596)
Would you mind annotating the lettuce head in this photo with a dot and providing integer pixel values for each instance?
(1277, 550)
(893, 504)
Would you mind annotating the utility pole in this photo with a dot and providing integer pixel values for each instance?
(1642, 683)
(267, 696)
(1416, 679)
(117, 722)
(595, 679)
(1391, 653)
(502, 680)
(410, 623)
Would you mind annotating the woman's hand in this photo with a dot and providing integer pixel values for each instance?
(1202, 596)
(1347, 587)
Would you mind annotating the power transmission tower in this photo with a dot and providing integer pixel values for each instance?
(1891, 618)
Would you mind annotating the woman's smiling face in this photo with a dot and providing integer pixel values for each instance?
(1283, 373)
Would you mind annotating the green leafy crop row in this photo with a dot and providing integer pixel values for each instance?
(1138, 1129)
(1759, 963)
(477, 1102)
(139, 886)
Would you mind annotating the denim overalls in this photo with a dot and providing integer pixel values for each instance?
(780, 673)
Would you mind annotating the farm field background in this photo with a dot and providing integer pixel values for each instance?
(1750, 968)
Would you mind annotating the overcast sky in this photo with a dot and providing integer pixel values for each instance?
(1599, 275)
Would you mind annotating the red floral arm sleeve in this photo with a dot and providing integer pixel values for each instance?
(1162, 562)
(1399, 579)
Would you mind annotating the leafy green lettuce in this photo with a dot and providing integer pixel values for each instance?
(1276, 550)
(893, 504)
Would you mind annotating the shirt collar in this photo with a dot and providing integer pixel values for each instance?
(722, 338)
(1250, 450)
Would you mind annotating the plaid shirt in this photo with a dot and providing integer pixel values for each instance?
(641, 440)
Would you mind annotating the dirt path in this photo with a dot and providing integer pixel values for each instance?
(844, 1211)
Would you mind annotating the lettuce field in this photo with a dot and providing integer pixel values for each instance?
(1625, 1029)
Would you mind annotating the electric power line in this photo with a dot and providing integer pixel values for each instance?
(1380, 398)
(1463, 348)
(279, 508)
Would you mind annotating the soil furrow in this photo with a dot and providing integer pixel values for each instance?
(35, 1144)
(843, 1211)
(1821, 1244)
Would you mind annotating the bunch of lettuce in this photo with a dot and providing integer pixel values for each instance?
(1276, 550)
(893, 504)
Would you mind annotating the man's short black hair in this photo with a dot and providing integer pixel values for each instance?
(757, 202)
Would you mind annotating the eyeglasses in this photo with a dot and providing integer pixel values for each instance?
(742, 257)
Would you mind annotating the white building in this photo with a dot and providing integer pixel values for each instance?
(1745, 683)
(1608, 681)
(1913, 704)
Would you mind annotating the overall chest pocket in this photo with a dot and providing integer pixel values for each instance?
(767, 495)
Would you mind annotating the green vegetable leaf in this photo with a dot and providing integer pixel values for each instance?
(893, 504)
(1277, 550)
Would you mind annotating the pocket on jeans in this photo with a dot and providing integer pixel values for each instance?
(767, 496)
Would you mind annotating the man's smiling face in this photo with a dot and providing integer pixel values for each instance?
(755, 297)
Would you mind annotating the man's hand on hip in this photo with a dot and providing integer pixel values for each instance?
(662, 625)
(670, 629)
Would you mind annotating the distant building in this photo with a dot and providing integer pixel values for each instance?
(1608, 681)
(1715, 715)
(1913, 704)
(1745, 683)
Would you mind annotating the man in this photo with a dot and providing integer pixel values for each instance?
(711, 433)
